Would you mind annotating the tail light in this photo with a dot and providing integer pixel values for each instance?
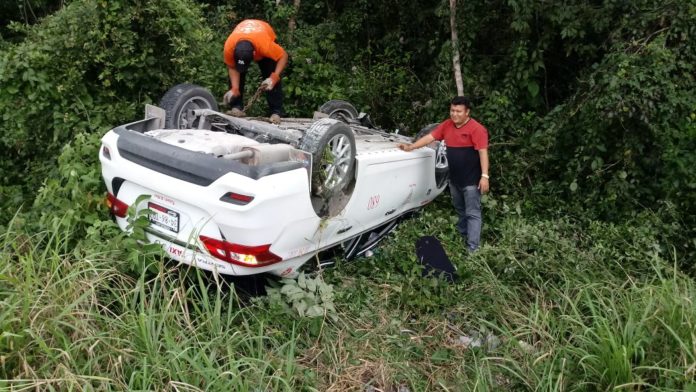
(247, 256)
(116, 206)
(237, 198)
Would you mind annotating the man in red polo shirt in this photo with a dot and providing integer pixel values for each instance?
(254, 40)
(467, 155)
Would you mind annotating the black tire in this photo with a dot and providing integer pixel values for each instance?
(441, 164)
(340, 110)
(328, 139)
(180, 100)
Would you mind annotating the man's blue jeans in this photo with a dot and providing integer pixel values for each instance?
(467, 203)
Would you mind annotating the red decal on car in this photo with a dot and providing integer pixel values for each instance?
(373, 202)
(286, 272)
(164, 198)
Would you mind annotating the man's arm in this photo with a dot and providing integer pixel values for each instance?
(274, 77)
(280, 65)
(483, 182)
(424, 141)
(234, 80)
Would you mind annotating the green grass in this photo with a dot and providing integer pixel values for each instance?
(572, 307)
(71, 321)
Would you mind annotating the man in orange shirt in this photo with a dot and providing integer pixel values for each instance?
(254, 40)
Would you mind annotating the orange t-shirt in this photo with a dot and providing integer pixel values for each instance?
(260, 34)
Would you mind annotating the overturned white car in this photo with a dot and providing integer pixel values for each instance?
(242, 196)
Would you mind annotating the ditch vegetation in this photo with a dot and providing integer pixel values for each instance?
(585, 280)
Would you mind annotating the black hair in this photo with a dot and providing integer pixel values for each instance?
(460, 100)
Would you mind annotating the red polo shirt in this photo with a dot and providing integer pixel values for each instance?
(463, 144)
(471, 134)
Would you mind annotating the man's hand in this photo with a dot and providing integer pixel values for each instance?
(405, 147)
(483, 185)
(271, 81)
(230, 95)
(424, 141)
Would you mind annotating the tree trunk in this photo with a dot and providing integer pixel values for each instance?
(291, 22)
(455, 49)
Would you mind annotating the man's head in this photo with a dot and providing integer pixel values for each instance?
(459, 110)
(243, 55)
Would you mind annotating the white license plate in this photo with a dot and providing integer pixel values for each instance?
(164, 217)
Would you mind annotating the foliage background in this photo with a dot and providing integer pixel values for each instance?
(591, 107)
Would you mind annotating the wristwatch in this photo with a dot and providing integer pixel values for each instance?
(485, 176)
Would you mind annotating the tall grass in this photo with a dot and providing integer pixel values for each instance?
(604, 337)
(571, 309)
(71, 321)
(574, 308)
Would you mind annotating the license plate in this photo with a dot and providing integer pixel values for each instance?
(164, 217)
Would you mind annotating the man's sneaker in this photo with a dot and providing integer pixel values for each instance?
(236, 112)
(275, 118)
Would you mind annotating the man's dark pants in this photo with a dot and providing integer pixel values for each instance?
(273, 97)
(467, 203)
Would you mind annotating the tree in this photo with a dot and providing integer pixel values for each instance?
(455, 49)
(292, 22)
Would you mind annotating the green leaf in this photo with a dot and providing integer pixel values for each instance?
(311, 285)
(290, 289)
(300, 307)
(533, 89)
(315, 311)
(442, 355)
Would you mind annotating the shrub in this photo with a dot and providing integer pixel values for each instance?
(87, 67)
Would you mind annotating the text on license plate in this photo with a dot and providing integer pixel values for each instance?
(164, 217)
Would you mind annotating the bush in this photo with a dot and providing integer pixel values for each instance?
(87, 67)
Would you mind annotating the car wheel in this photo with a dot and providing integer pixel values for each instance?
(441, 164)
(339, 110)
(332, 145)
(181, 100)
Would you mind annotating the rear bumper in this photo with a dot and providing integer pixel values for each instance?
(196, 257)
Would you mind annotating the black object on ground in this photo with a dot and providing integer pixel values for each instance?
(432, 256)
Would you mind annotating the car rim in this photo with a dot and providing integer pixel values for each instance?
(441, 156)
(186, 117)
(338, 154)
